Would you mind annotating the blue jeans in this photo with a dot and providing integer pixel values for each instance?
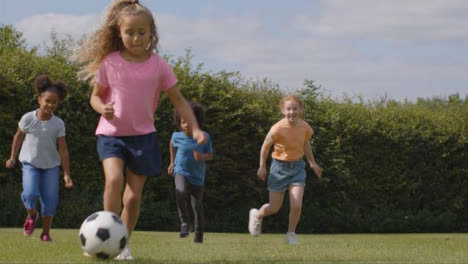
(43, 183)
(285, 173)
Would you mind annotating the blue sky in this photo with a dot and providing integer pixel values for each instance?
(370, 48)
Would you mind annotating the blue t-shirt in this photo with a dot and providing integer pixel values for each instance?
(185, 163)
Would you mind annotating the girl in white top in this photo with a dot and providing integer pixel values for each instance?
(39, 132)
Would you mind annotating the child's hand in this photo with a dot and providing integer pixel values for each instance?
(68, 181)
(10, 163)
(262, 173)
(196, 155)
(108, 111)
(317, 170)
(170, 169)
(199, 136)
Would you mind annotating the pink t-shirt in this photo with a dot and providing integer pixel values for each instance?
(135, 89)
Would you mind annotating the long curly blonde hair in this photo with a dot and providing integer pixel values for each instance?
(107, 39)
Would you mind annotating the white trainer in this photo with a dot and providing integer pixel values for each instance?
(255, 224)
(291, 238)
(126, 254)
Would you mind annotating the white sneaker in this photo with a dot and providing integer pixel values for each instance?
(255, 224)
(126, 254)
(291, 238)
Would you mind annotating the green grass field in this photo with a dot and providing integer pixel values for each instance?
(167, 247)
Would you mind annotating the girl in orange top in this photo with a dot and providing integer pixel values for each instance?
(290, 138)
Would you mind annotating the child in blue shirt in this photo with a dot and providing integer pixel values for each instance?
(188, 168)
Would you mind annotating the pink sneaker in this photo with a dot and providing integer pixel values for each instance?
(28, 227)
(45, 237)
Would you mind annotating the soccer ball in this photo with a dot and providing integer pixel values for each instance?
(103, 235)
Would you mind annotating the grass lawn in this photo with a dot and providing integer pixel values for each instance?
(167, 247)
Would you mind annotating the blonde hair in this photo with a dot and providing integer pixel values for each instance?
(290, 97)
(107, 38)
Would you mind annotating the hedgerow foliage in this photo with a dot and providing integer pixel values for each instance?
(388, 166)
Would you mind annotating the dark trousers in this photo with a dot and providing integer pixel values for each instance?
(183, 189)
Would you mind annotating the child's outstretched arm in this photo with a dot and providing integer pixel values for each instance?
(263, 156)
(172, 151)
(65, 159)
(202, 156)
(106, 110)
(17, 141)
(310, 157)
(183, 108)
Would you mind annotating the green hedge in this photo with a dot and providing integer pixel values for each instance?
(388, 166)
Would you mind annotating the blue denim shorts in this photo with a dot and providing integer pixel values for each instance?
(43, 184)
(140, 153)
(285, 173)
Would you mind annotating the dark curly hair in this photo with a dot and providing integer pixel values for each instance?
(198, 111)
(44, 83)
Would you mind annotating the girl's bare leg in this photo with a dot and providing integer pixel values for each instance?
(295, 199)
(273, 206)
(114, 181)
(132, 199)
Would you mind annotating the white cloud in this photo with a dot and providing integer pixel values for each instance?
(231, 40)
(37, 29)
(396, 20)
(319, 48)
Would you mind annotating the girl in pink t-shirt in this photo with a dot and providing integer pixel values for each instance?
(128, 76)
(290, 138)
